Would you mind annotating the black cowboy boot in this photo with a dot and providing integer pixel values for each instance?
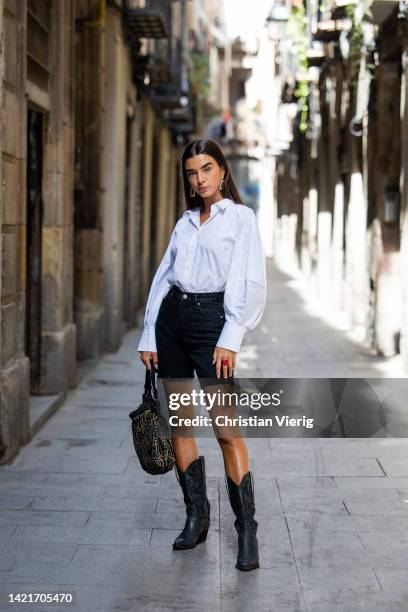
(242, 502)
(192, 482)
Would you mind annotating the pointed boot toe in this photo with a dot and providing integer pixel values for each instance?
(193, 485)
(243, 505)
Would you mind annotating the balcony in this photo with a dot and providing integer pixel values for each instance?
(153, 21)
(330, 30)
(159, 62)
(316, 55)
(167, 61)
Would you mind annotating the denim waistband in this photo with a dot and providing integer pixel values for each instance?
(217, 296)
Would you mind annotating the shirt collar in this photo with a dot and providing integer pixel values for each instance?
(221, 205)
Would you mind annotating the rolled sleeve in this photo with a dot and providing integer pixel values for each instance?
(148, 339)
(245, 290)
(231, 336)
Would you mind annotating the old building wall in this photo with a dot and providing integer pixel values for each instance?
(114, 180)
(90, 119)
(2, 394)
(357, 129)
(162, 175)
(147, 165)
(14, 365)
(59, 332)
(37, 331)
(403, 269)
(132, 224)
(90, 191)
(386, 176)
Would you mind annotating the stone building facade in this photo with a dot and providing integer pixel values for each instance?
(95, 107)
(345, 165)
(37, 329)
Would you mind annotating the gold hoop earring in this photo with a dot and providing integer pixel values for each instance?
(192, 192)
(222, 184)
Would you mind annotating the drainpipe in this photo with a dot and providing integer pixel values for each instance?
(184, 46)
(100, 20)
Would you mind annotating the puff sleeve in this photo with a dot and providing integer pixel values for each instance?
(159, 287)
(245, 289)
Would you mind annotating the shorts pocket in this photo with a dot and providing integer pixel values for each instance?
(213, 311)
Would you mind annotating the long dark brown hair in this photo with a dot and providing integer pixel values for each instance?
(208, 147)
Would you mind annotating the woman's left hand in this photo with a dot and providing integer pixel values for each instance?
(221, 354)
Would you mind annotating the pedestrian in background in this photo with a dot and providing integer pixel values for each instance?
(209, 289)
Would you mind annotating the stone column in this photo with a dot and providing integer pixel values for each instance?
(132, 229)
(267, 207)
(356, 226)
(90, 56)
(181, 201)
(303, 225)
(58, 329)
(325, 211)
(114, 174)
(386, 180)
(147, 195)
(138, 212)
(172, 180)
(287, 190)
(163, 198)
(337, 191)
(329, 238)
(356, 274)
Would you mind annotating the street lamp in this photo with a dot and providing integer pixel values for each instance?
(184, 99)
(277, 20)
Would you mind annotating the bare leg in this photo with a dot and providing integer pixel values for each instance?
(184, 444)
(239, 479)
(185, 451)
(235, 455)
(229, 437)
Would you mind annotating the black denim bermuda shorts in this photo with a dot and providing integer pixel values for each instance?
(188, 326)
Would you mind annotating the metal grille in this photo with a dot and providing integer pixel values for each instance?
(153, 21)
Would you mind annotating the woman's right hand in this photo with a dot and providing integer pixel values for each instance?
(146, 356)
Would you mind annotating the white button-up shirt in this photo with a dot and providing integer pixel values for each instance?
(225, 253)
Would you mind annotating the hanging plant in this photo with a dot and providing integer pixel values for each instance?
(200, 75)
(359, 14)
(297, 32)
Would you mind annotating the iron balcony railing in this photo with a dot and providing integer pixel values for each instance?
(152, 21)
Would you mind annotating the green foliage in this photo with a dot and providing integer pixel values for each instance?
(199, 75)
(358, 15)
(297, 32)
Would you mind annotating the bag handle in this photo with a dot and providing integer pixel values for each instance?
(150, 388)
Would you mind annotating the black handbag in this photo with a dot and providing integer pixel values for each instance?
(150, 431)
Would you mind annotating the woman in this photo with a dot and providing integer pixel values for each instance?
(209, 289)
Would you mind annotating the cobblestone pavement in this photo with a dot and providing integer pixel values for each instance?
(77, 513)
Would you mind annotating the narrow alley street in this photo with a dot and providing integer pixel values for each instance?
(77, 513)
(147, 143)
